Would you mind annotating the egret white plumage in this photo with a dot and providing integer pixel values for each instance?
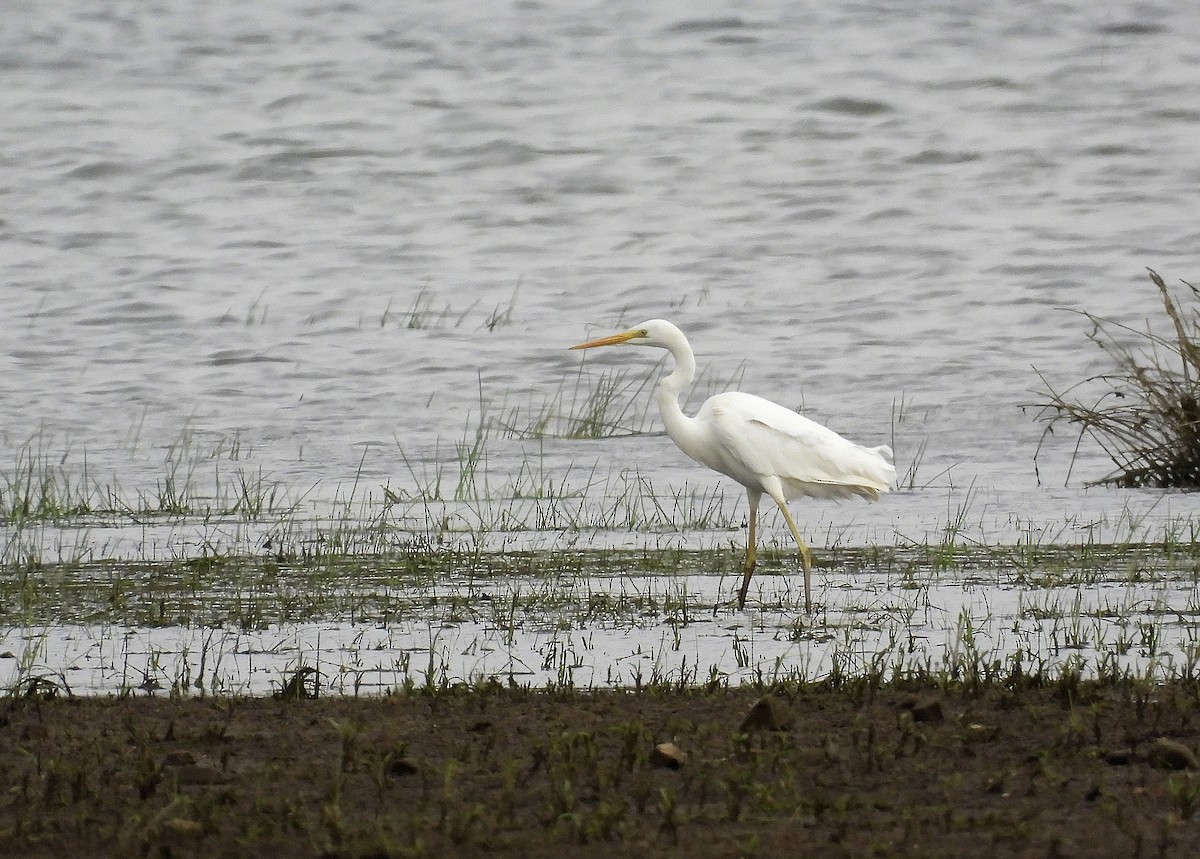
(760, 444)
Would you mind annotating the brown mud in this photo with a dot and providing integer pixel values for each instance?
(1063, 768)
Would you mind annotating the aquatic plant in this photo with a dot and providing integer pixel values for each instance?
(1144, 412)
(41, 485)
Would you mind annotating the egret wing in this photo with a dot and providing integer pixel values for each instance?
(767, 439)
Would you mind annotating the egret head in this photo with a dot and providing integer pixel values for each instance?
(654, 332)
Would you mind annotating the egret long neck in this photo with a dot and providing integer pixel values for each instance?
(679, 426)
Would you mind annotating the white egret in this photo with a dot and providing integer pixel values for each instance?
(760, 444)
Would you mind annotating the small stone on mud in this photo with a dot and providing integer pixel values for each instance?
(1118, 757)
(1169, 755)
(181, 829)
(398, 767)
(929, 710)
(977, 733)
(668, 755)
(767, 714)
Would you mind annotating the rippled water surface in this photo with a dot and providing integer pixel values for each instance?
(306, 248)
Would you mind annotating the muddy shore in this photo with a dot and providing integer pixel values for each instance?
(1066, 768)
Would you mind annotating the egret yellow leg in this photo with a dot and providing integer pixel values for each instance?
(751, 551)
(805, 558)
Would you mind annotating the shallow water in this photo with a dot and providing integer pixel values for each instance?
(303, 247)
(591, 621)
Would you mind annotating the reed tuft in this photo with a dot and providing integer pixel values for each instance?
(1144, 412)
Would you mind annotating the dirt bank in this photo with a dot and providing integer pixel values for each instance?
(1064, 769)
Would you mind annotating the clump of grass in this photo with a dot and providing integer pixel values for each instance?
(1145, 411)
(423, 315)
(503, 314)
(611, 406)
(40, 486)
(43, 487)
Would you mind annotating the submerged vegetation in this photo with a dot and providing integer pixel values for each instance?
(1144, 411)
(453, 614)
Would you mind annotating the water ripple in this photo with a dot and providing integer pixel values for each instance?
(369, 222)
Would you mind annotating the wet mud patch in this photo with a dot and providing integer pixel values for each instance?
(1058, 769)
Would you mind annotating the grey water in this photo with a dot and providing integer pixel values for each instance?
(308, 244)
